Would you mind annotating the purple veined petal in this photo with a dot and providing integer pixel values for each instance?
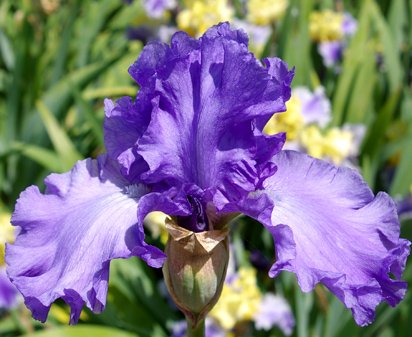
(274, 310)
(212, 95)
(328, 227)
(68, 235)
(8, 292)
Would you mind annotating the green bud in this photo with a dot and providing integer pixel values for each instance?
(195, 269)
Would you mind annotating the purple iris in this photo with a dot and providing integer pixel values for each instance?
(191, 145)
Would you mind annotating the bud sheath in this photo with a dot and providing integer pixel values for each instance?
(195, 269)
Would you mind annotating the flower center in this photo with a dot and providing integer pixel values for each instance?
(197, 221)
(135, 191)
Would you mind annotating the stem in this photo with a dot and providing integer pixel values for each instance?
(198, 331)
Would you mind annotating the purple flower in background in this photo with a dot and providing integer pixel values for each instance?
(274, 311)
(349, 25)
(331, 52)
(156, 8)
(315, 105)
(8, 292)
(212, 329)
(404, 207)
(191, 145)
(179, 329)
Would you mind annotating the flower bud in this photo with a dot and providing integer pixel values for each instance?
(195, 269)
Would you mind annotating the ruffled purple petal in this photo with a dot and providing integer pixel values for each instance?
(328, 227)
(124, 124)
(68, 235)
(212, 97)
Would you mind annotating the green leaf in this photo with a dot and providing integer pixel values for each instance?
(6, 51)
(60, 59)
(109, 92)
(61, 142)
(86, 110)
(82, 331)
(352, 63)
(97, 14)
(398, 21)
(403, 176)
(361, 99)
(44, 157)
(297, 46)
(375, 141)
(390, 51)
(58, 98)
(304, 303)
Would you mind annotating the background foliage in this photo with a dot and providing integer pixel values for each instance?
(57, 67)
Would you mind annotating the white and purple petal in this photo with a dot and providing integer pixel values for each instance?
(315, 105)
(156, 8)
(68, 235)
(274, 310)
(331, 52)
(328, 227)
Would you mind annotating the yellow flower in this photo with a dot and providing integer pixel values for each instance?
(335, 145)
(291, 121)
(6, 234)
(313, 140)
(199, 15)
(263, 12)
(326, 26)
(338, 145)
(239, 301)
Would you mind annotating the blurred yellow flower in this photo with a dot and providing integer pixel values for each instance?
(263, 12)
(6, 234)
(239, 301)
(291, 121)
(313, 140)
(199, 15)
(338, 145)
(335, 145)
(326, 26)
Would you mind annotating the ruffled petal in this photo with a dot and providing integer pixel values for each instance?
(328, 227)
(211, 97)
(68, 236)
(125, 122)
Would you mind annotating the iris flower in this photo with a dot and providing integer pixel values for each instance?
(191, 145)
